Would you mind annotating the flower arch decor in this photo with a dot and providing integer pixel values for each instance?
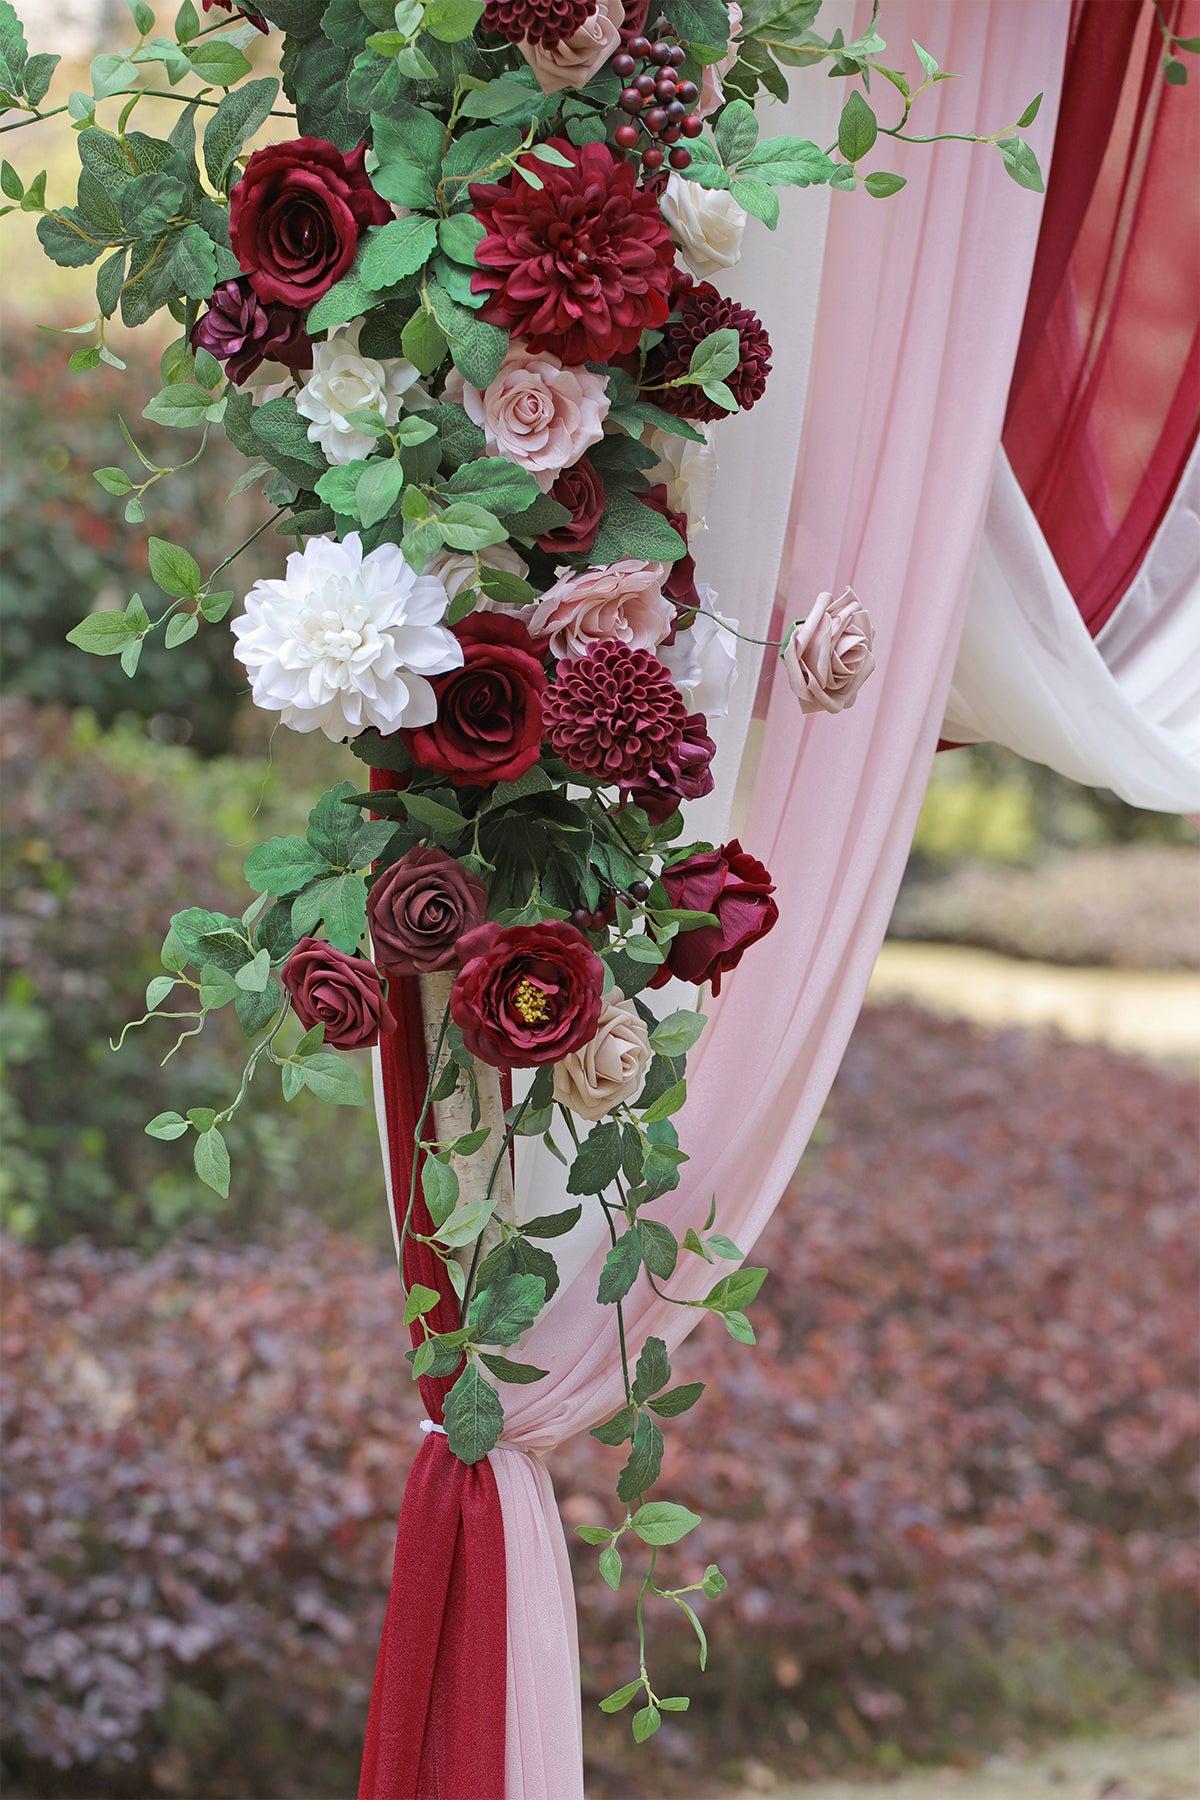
(465, 324)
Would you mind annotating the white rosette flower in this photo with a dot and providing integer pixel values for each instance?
(343, 641)
(342, 382)
(689, 471)
(703, 660)
(706, 223)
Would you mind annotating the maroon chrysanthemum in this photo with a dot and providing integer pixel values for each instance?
(614, 713)
(545, 22)
(684, 773)
(580, 265)
(701, 312)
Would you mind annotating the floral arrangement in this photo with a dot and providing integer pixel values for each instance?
(463, 324)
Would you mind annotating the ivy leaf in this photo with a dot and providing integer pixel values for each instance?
(500, 1313)
(332, 1079)
(733, 1292)
(677, 1400)
(881, 184)
(420, 1301)
(653, 1369)
(616, 1429)
(506, 1370)
(618, 1701)
(519, 1258)
(440, 1187)
(552, 1225)
(1021, 163)
(474, 1416)
(645, 1461)
(662, 1522)
(857, 128)
(283, 865)
(211, 1159)
(597, 1162)
(166, 1125)
(620, 1269)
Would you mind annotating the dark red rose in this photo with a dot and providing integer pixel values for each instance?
(527, 994)
(702, 310)
(242, 331)
(735, 888)
(342, 993)
(581, 491)
(685, 773)
(420, 907)
(296, 216)
(489, 722)
(239, 11)
(580, 265)
(680, 585)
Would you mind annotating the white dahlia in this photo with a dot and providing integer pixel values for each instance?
(343, 381)
(345, 641)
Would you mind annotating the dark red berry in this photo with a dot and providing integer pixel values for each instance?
(678, 55)
(652, 158)
(670, 135)
(627, 136)
(660, 54)
(598, 919)
(687, 91)
(680, 158)
(623, 64)
(640, 890)
(676, 111)
(581, 918)
(645, 86)
(610, 909)
(656, 118)
(640, 47)
(630, 101)
(693, 125)
(664, 89)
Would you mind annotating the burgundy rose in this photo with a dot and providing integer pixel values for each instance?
(680, 585)
(580, 265)
(343, 993)
(737, 890)
(489, 718)
(685, 773)
(581, 491)
(242, 331)
(420, 908)
(239, 12)
(527, 994)
(296, 216)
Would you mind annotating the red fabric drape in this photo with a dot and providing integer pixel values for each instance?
(435, 1730)
(1105, 400)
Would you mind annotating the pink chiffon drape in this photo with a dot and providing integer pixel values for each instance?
(920, 311)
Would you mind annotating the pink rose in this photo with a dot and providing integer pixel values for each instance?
(828, 656)
(623, 602)
(712, 92)
(573, 61)
(536, 413)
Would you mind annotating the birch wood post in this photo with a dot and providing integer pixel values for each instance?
(453, 1120)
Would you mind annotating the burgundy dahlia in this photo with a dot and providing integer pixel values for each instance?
(581, 491)
(545, 22)
(701, 312)
(614, 713)
(241, 331)
(238, 12)
(685, 773)
(580, 265)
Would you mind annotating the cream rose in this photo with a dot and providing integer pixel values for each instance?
(455, 568)
(712, 91)
(572, 63)
(689, 471)
(703, 659)
(624, 601)
(706, 223)
(612, 1068)
(829, 655)
(536, 413)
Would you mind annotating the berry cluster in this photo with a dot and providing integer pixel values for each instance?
(662, 104)
(606, 912)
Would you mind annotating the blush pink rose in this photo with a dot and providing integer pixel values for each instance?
(712, 91)
(610, 1067)
(829, 655)
(573, 61)
(622, 602)
(536, 413)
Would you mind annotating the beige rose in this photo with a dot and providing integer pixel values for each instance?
(623, 600)
(536, 413)
(612, 1068)
(712, 92)
(456, 568)
(689, 471)
(829, 654)
(706, 223)
(572, 63)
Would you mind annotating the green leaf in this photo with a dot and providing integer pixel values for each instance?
(597, 1162)
(715, 356)
(620, 1699)
(1021, 163)
(218, 61)
(881, 184)
(491, 482)
(439, 1185)
(736, 131)
(629, 528)
(658, 1246)
(1035, 106)
(476, 347)
(645, 1461)
(609, 1563)
(675, 1035)
(616, 1429)
(857, 128)
(424, 342)
(341, 902)
(450, 21)
(552, 1225)
(735, 1291)
(677, 1400)
(738, 1326)
(501, 1312)
(646, 1723)
(620, 1269)
(253, 976)
(183, 405)
(332, 1079)
(506, 1370)
(662, 1522)
(166, 1125)
(653, 1369)
(103, 634)
(517, 1257)
(396, 250)
(474, 1416)
(788, 162)
(929, 63)
(420, 1301)
(211, 1159)
(725, 1248)
(333, 826)
(237, 118)
(465, 526)
(347, 299)
(190, 267)
(434, 818)
(756, 198)
(378, 489)
(698, 1628)
(283, 865)
(666, 1104)
(174, 569)
(466, 1222)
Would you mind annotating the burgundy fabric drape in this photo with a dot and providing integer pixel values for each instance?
(1105, 400)
(436, 1726)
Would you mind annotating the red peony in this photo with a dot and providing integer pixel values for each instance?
(685, 773)
(581, 265)
(343, 993)
(242, 331)
(527, 994)
(702, 310)
(296, 216)
(545, 22)
(737, 890)
(489, 719)
(581, 491)
(614, 713)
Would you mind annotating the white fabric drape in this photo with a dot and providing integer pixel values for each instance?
(1122, 711)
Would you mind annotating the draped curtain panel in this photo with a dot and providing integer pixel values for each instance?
(917, 323)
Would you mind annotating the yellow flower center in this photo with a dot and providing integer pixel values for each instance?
(530, 1001)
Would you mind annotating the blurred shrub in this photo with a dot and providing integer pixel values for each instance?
(68, 551)
(953, 1489)
(104, 839)
(1130, 906)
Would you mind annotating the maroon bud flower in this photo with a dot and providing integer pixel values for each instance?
(242, 331)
